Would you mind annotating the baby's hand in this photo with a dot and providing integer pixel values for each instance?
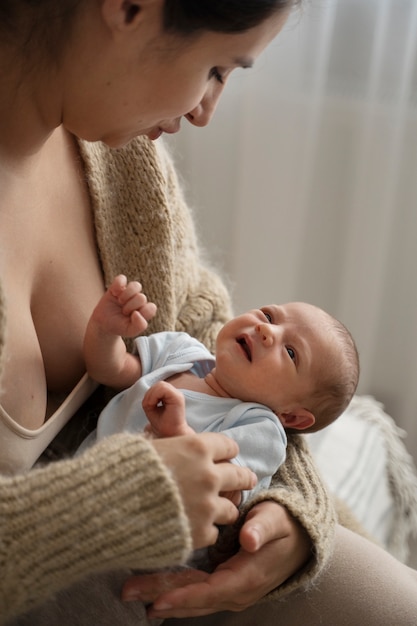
(124, 309)
(164, 406)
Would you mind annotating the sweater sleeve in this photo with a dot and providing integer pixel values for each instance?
(298, 486)
(113, 507)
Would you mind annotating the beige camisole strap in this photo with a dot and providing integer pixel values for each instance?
(20, 447)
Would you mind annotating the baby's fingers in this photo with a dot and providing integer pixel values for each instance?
(136, 301)
(118, 285)
(146, 312)
(132, 297)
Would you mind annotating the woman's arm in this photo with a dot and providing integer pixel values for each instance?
(239, 582)
(75, 517)
(92, 514)
(286, 538)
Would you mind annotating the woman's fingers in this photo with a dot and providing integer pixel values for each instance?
(240, 581)
(220, 447)
(148, 587)
(264, 522)
(235, 478)
(200, 465)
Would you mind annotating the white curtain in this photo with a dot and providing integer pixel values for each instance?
(305, 183)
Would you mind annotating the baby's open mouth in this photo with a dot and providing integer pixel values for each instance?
(242, 342)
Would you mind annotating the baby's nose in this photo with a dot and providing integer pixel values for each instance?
(266, 333)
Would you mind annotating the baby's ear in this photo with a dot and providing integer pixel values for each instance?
(297, 419)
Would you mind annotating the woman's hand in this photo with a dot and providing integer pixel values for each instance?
(273, 547)
(200, 466)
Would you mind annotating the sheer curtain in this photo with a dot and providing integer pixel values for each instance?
(305, 184)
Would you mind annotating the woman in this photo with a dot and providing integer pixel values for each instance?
(73, 215)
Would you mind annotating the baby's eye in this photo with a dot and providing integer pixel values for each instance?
(268, 316)
(291, 353)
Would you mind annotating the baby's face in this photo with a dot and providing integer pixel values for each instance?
(274, 355)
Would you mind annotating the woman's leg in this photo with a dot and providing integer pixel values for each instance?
(362, 585)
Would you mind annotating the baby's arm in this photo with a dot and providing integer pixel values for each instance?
(164, 406)
(123, 311)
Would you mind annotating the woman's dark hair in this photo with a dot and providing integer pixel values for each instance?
(46, 23)
(226, 16)
(37, 25)
(11, 11)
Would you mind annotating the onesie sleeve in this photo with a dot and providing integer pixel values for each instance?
(87, 515)
(261, 440)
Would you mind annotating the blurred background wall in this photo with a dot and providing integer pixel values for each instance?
(305, 185)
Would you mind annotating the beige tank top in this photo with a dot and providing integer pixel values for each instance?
(21, 447)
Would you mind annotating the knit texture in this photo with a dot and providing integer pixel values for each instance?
(2, 328)
(117, 506)
(145, 230)
(91, 514)
(296, 486)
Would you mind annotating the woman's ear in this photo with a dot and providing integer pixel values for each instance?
(297, 419)
(127, 14)
(131, 11)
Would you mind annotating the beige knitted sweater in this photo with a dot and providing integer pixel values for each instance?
(75, 517)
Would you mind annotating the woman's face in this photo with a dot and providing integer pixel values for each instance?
(141, 81)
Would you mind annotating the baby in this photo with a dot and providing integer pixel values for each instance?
(277, 369)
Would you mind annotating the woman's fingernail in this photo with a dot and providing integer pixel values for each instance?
(256, 538)
(162, 606)
(130, 595)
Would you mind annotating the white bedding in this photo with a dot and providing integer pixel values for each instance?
(363, 460)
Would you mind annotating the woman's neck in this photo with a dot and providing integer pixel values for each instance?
(28, 111)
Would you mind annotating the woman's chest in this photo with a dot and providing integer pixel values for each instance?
(52, 279)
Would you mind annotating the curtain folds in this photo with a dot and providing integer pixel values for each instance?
(305, 184)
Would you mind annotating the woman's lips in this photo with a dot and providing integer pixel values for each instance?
(155, 133)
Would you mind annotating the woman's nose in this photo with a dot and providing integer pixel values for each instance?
(266, 333)
(204, 111)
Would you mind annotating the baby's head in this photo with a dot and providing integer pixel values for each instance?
(335, 373)
(294, 358)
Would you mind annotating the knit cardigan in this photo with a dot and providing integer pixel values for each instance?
(117, 505)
